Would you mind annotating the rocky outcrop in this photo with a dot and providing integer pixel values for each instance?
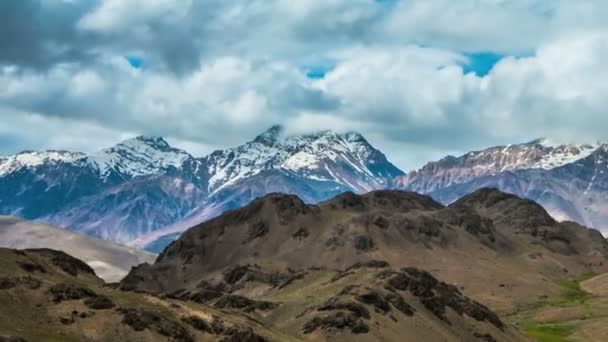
(140, 320)
(437, 296)
(61, 292)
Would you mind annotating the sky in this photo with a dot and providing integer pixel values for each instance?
(418, 78)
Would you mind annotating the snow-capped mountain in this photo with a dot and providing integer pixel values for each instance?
(140, 156)
(345, 159)
(537, 154)
(315, 167)
(30, 159)
(132, 188)
(570, 181)
(135, 157)
(143, 192)
(143, 185)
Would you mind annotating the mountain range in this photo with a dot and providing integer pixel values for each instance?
(570, 181)
(382, 266)
(145, 193)
(141, 185)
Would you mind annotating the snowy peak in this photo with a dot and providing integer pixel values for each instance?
(271, 136)
(144, 142)
(311, 151)
(346, 159)
(537, 154)
(27, 159)
(564, 154)
(139, 156)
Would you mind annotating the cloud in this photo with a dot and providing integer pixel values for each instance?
(39, 34)
(228, 94)
(419, 78)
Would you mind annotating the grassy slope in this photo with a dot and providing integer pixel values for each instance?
(574, 315)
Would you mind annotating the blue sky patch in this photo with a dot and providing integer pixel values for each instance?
(134, 61)
(317, 72)
(481, 63)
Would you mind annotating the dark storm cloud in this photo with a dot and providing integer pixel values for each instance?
(39, 34)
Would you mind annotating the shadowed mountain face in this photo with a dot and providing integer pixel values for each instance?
(143, 190)
(483, 241)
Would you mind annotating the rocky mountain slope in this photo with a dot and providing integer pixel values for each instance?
(130, 191)
(387, 265)
(568, 180)
(480, 242)
(48, 295)
(110, 261)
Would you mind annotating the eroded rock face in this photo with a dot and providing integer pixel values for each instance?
(61, 292)
(140, 320)
(471, 221)
(215, 327)
(256, 230)
(335, 304)
(31, 267)
(228, 301)
(351, 308)
(241, 335)
(337, 320)
(219, 295)
(437, 296)
(99, 303)
(239, 275)
(393, 294)
(204, 296)
(301, 234)
(31, 283)
(222, 331)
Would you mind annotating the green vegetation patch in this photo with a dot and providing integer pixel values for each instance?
(572, 293)
(548, 332)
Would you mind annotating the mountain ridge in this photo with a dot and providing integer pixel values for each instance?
(143, 184)
(573, 189)
(143, 191)
(495, 248)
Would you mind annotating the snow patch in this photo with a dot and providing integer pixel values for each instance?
(28, 159)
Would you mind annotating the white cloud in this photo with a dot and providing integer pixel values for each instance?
(218, 72)
(118, 16)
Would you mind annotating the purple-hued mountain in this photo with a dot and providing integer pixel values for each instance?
(142, 189)
(145, 193)
(570, 181)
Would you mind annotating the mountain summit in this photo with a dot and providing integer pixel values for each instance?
(347, 160)
(139, 156)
